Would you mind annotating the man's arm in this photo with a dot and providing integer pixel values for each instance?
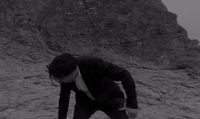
(65, 90)
(120, 74)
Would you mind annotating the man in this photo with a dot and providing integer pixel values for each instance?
(94, 82)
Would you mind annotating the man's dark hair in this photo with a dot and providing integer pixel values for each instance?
(62, 65)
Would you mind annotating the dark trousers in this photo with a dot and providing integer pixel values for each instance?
(85, 107)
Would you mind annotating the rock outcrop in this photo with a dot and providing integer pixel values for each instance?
(133, 27)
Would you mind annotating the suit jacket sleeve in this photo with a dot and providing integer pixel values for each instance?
(65, 90)
(120, 74)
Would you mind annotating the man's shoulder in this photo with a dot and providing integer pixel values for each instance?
(88, 58)
(88, 61)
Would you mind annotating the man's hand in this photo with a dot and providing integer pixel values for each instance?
(132, 113)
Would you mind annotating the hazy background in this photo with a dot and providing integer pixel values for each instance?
(188, 12)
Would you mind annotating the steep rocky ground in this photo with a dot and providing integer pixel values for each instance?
(123, 31)
(26, 93)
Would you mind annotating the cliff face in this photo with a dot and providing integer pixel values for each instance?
(135, 27)
(142, 28)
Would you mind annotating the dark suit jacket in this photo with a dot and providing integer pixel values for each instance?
(99, 76)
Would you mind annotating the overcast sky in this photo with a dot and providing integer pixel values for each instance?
(188, 12)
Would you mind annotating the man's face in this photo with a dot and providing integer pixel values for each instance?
(68, 79)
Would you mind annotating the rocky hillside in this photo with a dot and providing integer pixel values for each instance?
(126, 32)
(141, 28)
(26, 93)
